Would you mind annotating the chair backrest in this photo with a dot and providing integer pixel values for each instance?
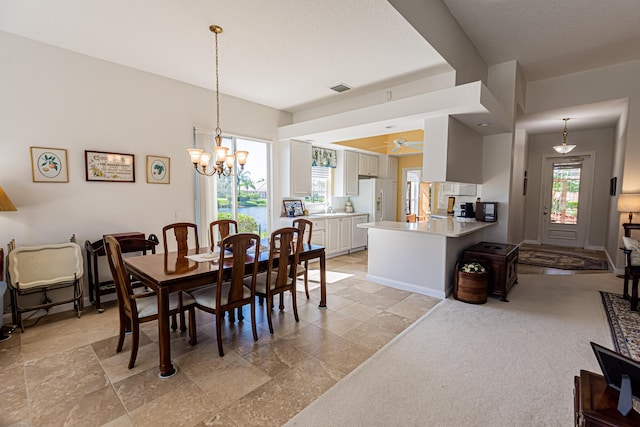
(246, 248)
(120, 276)
(225, 228)
(284, 243)
(181, 233)
(306, 228)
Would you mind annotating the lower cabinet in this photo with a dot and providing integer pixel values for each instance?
(338, 236)
(358, 235)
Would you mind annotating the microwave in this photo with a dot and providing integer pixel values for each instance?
(487, 211)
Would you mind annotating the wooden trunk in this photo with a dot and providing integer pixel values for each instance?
(471, 287)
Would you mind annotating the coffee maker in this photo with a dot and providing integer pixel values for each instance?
(466, 210)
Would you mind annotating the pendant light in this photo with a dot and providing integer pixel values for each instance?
(224, 162)
(564, 148)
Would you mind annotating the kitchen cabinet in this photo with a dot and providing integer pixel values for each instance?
(346, 174)
(338, 236)
(358, 235)
(296, 155)
(388, 167)
(367, 164)
(319, 233)
(457, 189)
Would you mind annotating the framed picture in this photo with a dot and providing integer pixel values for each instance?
(293, 207)
(49, 165)
(158, 171)
(110, 167)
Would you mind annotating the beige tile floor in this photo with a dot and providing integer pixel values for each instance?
(65, 371)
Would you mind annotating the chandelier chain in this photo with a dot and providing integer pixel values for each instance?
(218, 130)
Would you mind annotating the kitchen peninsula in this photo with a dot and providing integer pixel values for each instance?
(421, 256)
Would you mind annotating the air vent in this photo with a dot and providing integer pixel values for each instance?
(341, 88)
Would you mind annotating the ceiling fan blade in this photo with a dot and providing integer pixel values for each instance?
(414, 144)
(396, 148)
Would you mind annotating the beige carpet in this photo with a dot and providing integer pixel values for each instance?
(497, 364)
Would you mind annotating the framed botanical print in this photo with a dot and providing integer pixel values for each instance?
(158, 171)
(49, 165)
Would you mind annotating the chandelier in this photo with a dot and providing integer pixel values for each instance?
(564, 148)
(224, 161)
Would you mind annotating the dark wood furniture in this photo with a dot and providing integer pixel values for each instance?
(228, 295)
(306, 229)
(502, 260)
(140, 308)
(631, 272)
(136, 242)
(167, 273)
(225, 228)
(595, 403)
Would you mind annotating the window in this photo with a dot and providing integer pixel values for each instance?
(565, 193)
(320, 187)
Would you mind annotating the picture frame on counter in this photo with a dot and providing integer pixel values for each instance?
(293, 207)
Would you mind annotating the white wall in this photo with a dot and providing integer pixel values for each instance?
(52, 97)
(464, 153)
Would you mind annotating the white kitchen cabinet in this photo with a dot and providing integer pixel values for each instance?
(457, 189)
(319, 233)
(358, 235)
(346, 174)
(296, 157)
(338, 236)
(367, 164)
(388, 167)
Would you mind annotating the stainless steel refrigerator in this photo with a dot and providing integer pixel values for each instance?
(378, 198)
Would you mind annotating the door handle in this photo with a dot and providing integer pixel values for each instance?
(545, 212)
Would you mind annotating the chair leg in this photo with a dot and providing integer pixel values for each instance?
(240, 315)
(253, 320)
(269, 305)
(183, 321)
(219, 333)
(634, 294)
(124, 323)
(193, 339)
(135, 334)
(306, 278)
(174, 322)
(294, 301)
(625, 293)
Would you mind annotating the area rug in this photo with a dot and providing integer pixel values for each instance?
(314, 279)
(624, 324)
(560, 260)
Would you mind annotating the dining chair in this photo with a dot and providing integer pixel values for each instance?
(183, 232)
(225, 227)
(284, 254)
(306, 228)
(140, 308)
(239, 290)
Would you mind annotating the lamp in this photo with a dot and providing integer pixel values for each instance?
(629, 203)
(5, 202)
(224, 161)
(564, 148)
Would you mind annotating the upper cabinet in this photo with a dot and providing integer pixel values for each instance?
(346, 174)
(458, 189)
(367, 164)
(297, 155)
(388, 167)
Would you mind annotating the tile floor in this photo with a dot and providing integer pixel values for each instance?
(64, 370)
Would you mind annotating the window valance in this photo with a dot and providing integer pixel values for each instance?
(323, 157)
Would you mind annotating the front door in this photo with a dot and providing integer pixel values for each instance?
(566, 200)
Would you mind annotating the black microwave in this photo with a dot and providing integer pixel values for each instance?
(487, 211)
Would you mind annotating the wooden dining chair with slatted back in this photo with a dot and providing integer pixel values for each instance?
(239, 290)
(183, 232)
(306, 228)
(219, 229)
(140, 308)
(284, 254)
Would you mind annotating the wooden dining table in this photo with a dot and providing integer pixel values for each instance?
(167, 272)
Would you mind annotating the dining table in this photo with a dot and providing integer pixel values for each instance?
(170, 272)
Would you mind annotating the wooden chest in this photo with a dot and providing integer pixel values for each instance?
(502, 260)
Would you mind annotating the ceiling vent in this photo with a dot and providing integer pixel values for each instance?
(341, 88)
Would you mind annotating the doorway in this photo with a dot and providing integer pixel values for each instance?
(567, 184)
(412, 194)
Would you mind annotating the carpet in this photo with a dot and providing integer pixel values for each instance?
(495, 364)
(624, 324)
(560, 260)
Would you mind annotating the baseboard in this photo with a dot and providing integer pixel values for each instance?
(594, 248)
(406, 286)
(532, 242)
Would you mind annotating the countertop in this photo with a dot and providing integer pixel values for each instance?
(448, 226)
(328, 215)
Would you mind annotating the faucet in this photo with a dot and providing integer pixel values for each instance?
(329, 209)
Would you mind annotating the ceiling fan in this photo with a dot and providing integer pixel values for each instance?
(400, 143)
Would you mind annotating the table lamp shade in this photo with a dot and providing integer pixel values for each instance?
(5, 202)
(629, 203)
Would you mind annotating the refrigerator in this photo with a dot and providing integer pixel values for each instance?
(377, 197)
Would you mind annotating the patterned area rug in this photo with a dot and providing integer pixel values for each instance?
(563, 261)
(624, 323)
